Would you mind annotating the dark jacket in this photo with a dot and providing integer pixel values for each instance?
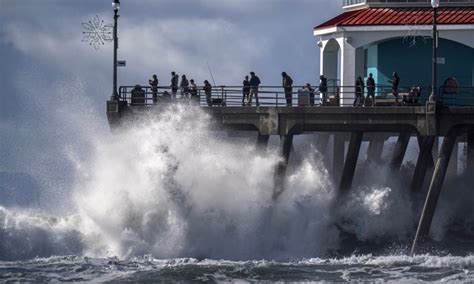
(184, 83)
(174, 81)
(323, 85)
(246, 84)
(287, 81)
(370, 84)
(207, 89)
(254, 81)
(359, 87)
(395, 82)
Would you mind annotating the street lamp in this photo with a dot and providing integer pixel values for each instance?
(433, 96)
(116, 7)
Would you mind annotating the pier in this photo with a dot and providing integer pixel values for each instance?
(427, 122)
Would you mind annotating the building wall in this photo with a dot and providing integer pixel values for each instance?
(372, 61)
(413, 62)
(384, 47)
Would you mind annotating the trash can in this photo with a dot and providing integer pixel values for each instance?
(303, 98)
(138, 96)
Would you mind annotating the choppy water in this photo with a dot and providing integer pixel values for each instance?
(168, 199)
(354, 268)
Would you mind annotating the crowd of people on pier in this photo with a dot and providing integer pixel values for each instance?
(188, 90)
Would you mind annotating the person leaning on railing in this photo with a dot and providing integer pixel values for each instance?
(287, 84)
(208, 91)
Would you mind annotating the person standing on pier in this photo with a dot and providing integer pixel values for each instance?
(174, 84)
(395, 83)
(287, 84)
(359, 91)
(193, 91)
(184, 87)
(371, 88)
(254, 83)
(208, 91)
(323, 89)
(245, 91)
(154, 87)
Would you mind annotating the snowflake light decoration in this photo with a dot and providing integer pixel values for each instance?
(96, 33)
(415, 33)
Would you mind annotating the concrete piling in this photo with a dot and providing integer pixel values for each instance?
(286, 142)
(337, 156)
(351, 161)
(453, 161)
(422, 163)
(470, 153)
(262, 141)
(434, 190)
(375, 149)
(399, 151)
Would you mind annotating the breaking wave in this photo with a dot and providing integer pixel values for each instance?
(171, 187)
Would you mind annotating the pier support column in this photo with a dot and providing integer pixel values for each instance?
(337, 156)
(374, 152)
(399, 151)
(262, 142)
(435, 151)
(422, 164)
(453, 161)
(435, 189)
(430, 161)
(470, 154)
(351, 161)
(286, 141)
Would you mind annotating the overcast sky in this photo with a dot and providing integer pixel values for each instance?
(54, 87)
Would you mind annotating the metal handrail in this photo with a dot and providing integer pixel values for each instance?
(232, 96)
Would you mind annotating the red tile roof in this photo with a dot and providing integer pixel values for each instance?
(401, 16)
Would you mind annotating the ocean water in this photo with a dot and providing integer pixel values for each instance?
(167, 198)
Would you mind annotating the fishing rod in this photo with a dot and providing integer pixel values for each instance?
(210, 72)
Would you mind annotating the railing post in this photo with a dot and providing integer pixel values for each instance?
(222, 95)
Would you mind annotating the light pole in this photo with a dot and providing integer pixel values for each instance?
(116, 7)
(433, 96)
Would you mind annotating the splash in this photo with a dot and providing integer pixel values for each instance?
(170, 186)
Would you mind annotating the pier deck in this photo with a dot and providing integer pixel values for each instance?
(427, 122)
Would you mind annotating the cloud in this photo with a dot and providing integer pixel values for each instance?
(159, 36)
(172, 45)
(54, 86)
